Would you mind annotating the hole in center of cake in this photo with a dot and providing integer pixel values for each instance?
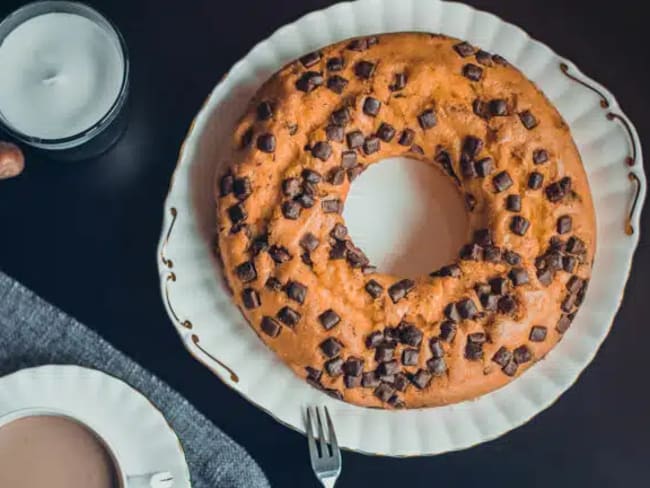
(407, 216)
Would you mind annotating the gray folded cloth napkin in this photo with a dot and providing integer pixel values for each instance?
(34, 332)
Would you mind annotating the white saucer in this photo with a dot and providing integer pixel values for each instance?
(134, 429)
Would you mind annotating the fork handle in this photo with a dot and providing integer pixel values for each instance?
(328, 482)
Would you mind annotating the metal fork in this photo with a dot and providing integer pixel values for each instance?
(326, 463)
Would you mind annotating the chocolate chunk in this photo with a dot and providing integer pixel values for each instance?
(337, 84)
(537, 333)
(484, 167)
(335, 64)
(242, 188)
(406, 137)
(484, 58)
(540, 156)
(334, 133)
(435, 345)
(399, 82)
(364, 69)
(288, 316)
(296, 291)
(313, 374)
(467, 168)
(246, 272)
(400, 383)
(569, 263)
(410, 357)
(384, 392)
(421, 379)
(384, 353)
(264, 111)
(332, 206)
(447, 331)
(388, 368)
(564, 224)
(273, 284)
(374, 339)
(369, 379)
(510, 369)
(452, 270)
(519, 225)
(270, 327)
(279, 254)
(371, 106)
(341, 117)
(451, 312)
(321, 150)
(353, 367)
(558, 190)
(354, 139)
(334, 393)
(336, 176)
(474, 351)
(499, 60)
(470, 201)
(472, 72)
(482, 288)
(309, 81)
(499, 285)
(467, 308)
(480, 108)
(386, 132)
(351, 381)
(489, 301)
(306, 258)
(371, 145)
(535, 180)
(563, 324)
(247, 138)
(334, 367)
(492, 254)
(471, 252)
(427, 119)
(348, 159)
(545, 276)
(498, 107)
(483, 237)
(310, 59)
(502, 356)
(358, 45)
(512, 258)
(502, 181)
(374, 289)
(518, 276)
(400, 289)
(226, 184)
(528, 119)
(437, 366)
(574, 284)
(409, 334)
(291, 210)
(522, 355)
(477, 337)
(331, 347)
(356, 258)
(311, 176)
(291, 187)
(513, 203)
(266, 143)
(339, 232)
(464, 49)
(506, 304)
(251, 298)
(237, 213)
(575, 245)
(309, 242)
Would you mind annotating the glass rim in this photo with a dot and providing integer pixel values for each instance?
(117, 103)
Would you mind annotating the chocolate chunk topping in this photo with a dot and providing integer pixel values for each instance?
(251, 298)
(499, 285)
(540, 156)
(400, 289)
(472, 72)
(467, 168)
(388, 368)
(279, 254)
(334, 133)
(246, 272)
(564, 224)
(522, 355)
(400, 382)
(384, 353)
(354, 139)
(371, 145)
(498, 107)
(237, 213)
(489, 301)
(291, 187)
(535, 180)
(309, 242)
(305, 200)
(335, 64)
(273, 284)
(499, 60)
(470, 201)
(558, 190)
(242, 188)
(528, 119)
(451, 312)
(364, 69)
(321, 150)
(313, 374)
(510, 369)
(513, 203)
(545, 276)
(502, 356)
(355, 256)
(410, 357)
(311, 176)
(492, 254)
(477, 337)
(226, 184)
(467, 308)
(399, 82)
(519, 225)
(247, 138)
(309, 81)
(537, 333)
(447, 331)
(518, 276)
(502, 181)
(374, 289)
(386, 132)
(435, 345)
(351, 381)
(339, 232)
(291, 209)
(369, 379)
(480, 108)
(331, 347)
(270, 326)
(337, 84)
(563, 324)
(371, 106)
(471, 252)
(506, 304)
(348, 159)
(266, 143)
(374, 339)
(473, 351)
(264, 111)
(353, 367)
(332, 206)
(341, 117)
(569, 263)
(512, 258)
(452, 270)
(484, 167)
(310, 59)
(409, 334)
(437, 366)
(574, 284)
(427, 119)
(421, 379)
(334, 367)
(306, 258)
(406, 137)
(575, 246)
(484, 58)
(384, 392)
(288, 316)
(464, 49)
(483, 237)
(296, 291)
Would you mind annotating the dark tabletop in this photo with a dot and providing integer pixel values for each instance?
(84, 235)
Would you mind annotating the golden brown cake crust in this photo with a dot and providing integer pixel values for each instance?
(374, 339)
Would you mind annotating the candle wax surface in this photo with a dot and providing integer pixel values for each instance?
(61, 73)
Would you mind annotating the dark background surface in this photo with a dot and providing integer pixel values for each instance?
(83, 235)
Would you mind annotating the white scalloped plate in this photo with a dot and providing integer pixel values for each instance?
(129, 423)
(214, 331)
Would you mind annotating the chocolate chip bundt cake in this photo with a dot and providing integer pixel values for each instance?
(312, 296)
